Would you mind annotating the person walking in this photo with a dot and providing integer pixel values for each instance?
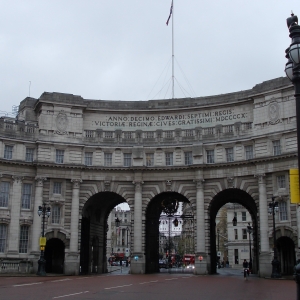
(246, 268)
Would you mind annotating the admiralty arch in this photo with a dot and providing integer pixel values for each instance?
(83, 157)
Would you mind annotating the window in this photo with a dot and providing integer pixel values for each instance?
(3, 236)
(29, 154)
(55, 213)
(149, 135)
(282, 211)
(128, 135)
(8, 152)
(59, 156)
(4, 193)
(26, 195)
(107, 159)
(169, 158)
(108, 134)
(276, 148)
(57, 188)
(249, 152)
(189, 132)
(88, 159)
(281, 182)
(188, 158)
(244, 234)
(210, 156)
(169, 134)
(89, 133)
(127, 159)
(235, 234)
(244, 217)
(23, 239)
(150, 159)
(229, 154)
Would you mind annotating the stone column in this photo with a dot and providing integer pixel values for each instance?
(265, 267)
(14, 228)
(75, 215)
(71, 266)
(200, 266)
(37, 221)
(137, 257)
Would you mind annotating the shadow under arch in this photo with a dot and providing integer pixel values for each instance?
(94, 228)
(153, 212)
(232, 195)
(55, 256)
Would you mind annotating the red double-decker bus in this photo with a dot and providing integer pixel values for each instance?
(188, 259)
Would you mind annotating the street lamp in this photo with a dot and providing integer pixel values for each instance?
(44, 211)
(292, 68)
(273, 208)
(218, 231)
(250, 230)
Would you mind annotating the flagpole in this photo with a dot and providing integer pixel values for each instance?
(173, 50)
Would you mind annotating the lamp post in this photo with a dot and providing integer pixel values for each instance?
(292, 68)
(218, 231)
(249, 230)
(273, 207)
(44, 211)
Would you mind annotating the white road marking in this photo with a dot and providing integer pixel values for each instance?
(116, 287)
(148, 281)
(171, 279)
(70, 295)
(28, 284)
(61, 280)
(82, 277)
(186, 277)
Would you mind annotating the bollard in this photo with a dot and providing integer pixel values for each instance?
(297, 278)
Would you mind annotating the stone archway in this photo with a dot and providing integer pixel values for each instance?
(285, 242)
(232, 195)
(94, 226)
(153, 212)
(55, 256)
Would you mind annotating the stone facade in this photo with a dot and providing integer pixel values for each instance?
(83, 157)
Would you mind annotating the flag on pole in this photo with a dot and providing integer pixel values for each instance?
(171, 9)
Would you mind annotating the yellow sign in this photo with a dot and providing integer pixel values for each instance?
(43, 241)
(294, 186)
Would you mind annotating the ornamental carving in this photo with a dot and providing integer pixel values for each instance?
(230, 182)
(260, 178)
(76, 183)
(62, 123)
(168, 184)
(40, 180)
(138, 185)
(199, 183)
(17, 179)
(274, 112)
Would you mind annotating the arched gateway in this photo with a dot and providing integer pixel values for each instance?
(82, 157)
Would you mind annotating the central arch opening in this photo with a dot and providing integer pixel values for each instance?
(240, 198)
(167, 233)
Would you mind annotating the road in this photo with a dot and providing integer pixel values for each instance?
(147, 287)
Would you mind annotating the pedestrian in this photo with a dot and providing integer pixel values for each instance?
(246, 270)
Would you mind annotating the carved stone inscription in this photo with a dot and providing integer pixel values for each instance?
(203, 118)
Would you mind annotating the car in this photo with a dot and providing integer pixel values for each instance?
(190, 266)
(162, 263)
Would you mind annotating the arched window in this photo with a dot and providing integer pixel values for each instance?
(3, 236)
(55, 213)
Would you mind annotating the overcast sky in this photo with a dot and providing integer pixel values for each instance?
(121, 50)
